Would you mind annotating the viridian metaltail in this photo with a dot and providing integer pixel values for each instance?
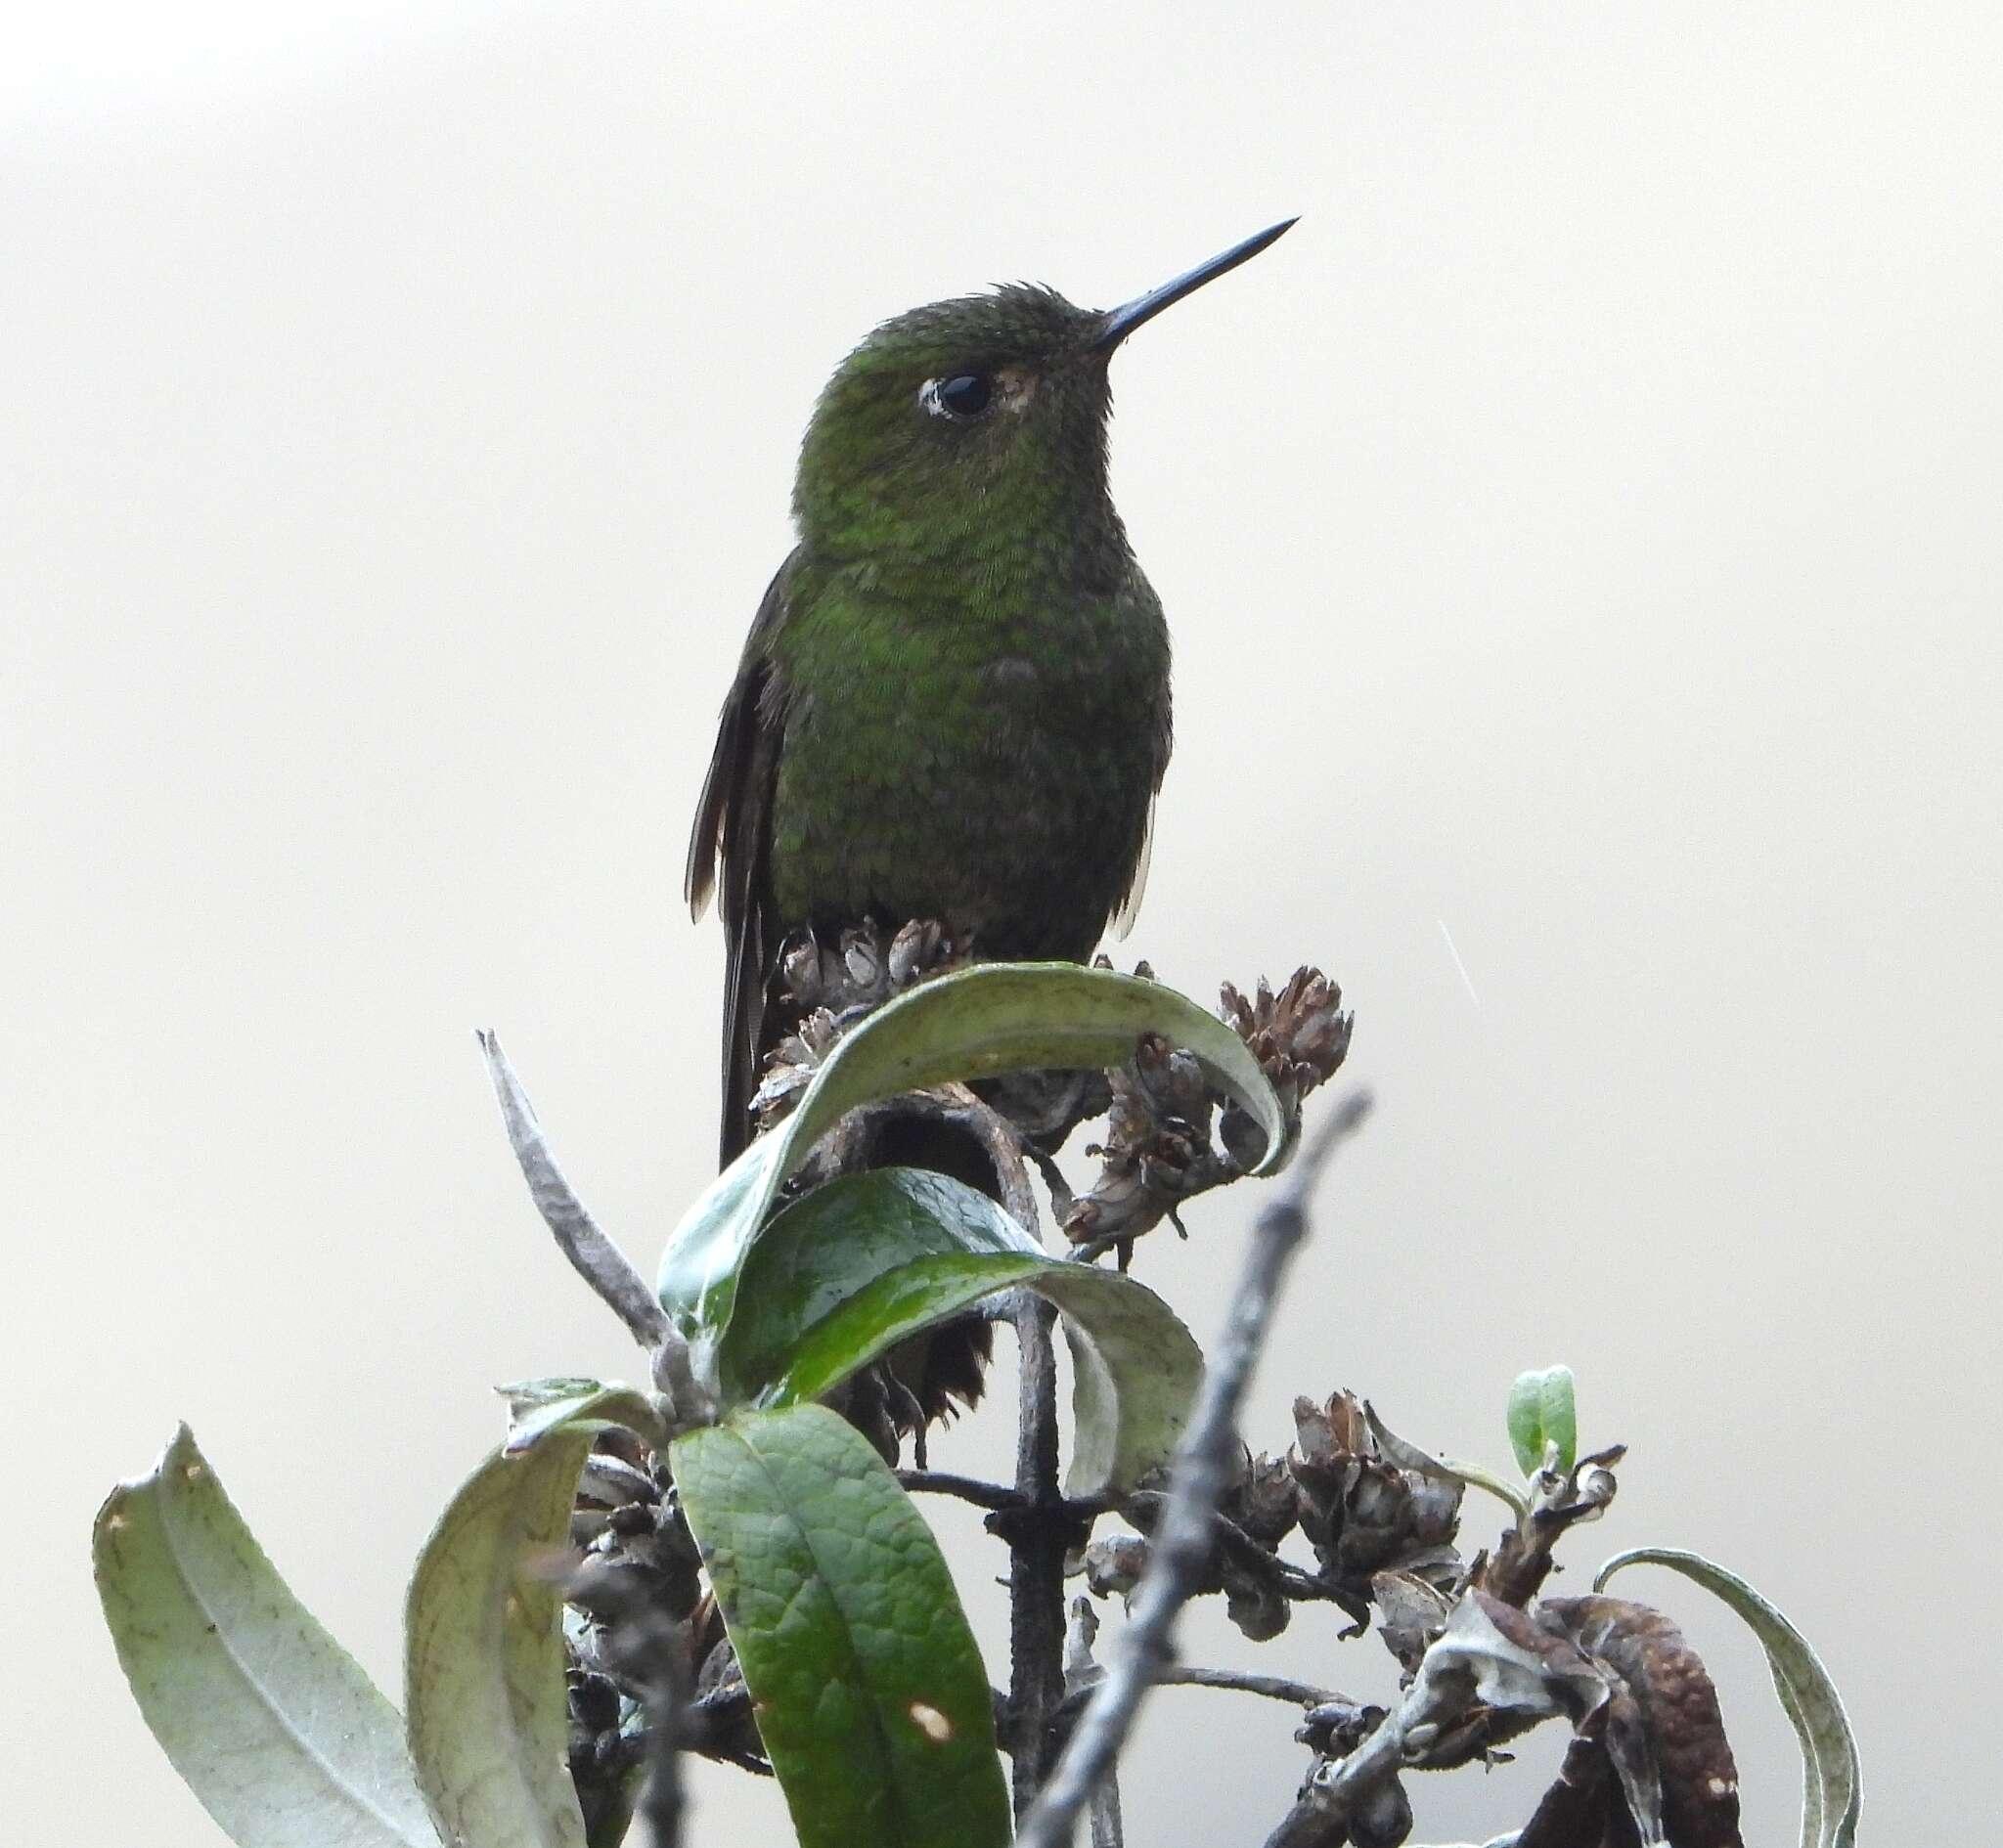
(954, 702)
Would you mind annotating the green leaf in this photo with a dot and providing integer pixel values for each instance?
(820, 1251)
(871, 1695)
(1832, 1778)
(1542, 1412)
(868, 1260)
(483, 1653)
(267, 1719)
(978, 1023)
(536, 1407)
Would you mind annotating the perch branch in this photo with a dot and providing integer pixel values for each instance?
(1035, 1553)
(966, 1488)
(1203, 1469)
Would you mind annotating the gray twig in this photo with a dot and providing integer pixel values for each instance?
(1300, 1694)
(1202, 1472)
(1082, 1674)
(580, 1238)
(1336, 1785)
(661, 1798)
(1259, 1561)
(645, 1648)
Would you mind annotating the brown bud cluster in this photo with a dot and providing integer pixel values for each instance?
(834, 985)
(1159, 1151)
(1300, 1038)
(1381, 1519)
(1366, 1514)
(1157, 1148)
(648, 1624)
(1256, 1513)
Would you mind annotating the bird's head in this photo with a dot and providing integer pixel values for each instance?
(975, 430)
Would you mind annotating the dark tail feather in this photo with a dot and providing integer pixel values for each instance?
(744, 1046)
(933, 1375)
(942, 1369)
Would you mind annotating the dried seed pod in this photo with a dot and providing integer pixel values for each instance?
(1259, 1610)
(610, 1481)
(923, 946)
(808, 975)
(1674, 1705)
(1336, 1727)
(1412, 1613)
(1300, 1036)
(1113, 1566)
(793, 1062)
(862, 965)
(1264, 1501)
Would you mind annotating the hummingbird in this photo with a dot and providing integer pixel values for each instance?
(953, 700)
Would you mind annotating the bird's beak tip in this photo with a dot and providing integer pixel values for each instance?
(1119, 321)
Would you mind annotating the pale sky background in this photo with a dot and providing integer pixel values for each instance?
(1581, 538)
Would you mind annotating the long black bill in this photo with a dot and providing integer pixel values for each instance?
(1121, 321)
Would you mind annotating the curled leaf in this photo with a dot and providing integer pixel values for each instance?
(978, 1023)
(536, 1407)
(869, 1260)
(1666, 1713)
(483, 1653)
(1832, 1782)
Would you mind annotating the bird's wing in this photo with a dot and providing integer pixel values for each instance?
(730, 852)
(1129, 907)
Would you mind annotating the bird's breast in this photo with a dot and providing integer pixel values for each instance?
(998, 779)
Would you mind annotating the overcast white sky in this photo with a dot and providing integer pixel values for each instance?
(1581, 540)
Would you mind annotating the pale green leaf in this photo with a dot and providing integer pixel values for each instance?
(1135, 1374)
(536, 1407)
(268, 1720)
(483, 1653)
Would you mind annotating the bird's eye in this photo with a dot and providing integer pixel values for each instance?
(966, 394)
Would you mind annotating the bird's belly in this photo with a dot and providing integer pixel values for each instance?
(1000, 812)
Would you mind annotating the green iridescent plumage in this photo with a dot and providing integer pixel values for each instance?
(954, 702)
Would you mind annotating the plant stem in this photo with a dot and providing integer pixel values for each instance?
(1203, 1469)
(1300, 1694)
(966, 1488)
(668, 1725)
(1260, 1562)
(1035, 1553)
